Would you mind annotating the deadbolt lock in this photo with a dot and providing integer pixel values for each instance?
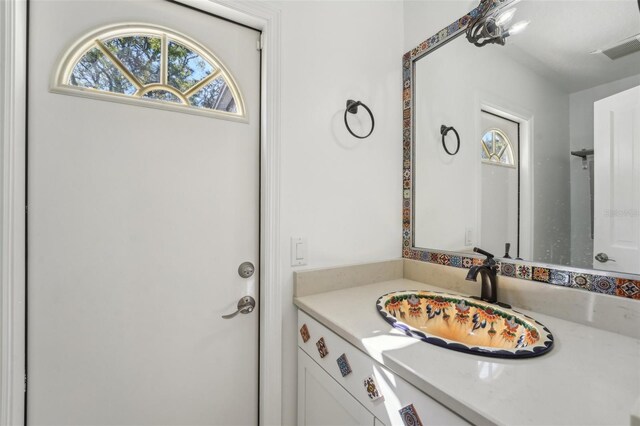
(246, 269)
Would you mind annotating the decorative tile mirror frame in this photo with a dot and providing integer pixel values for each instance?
(618, 284)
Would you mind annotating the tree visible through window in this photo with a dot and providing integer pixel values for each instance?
(496, 148)
(154, 65)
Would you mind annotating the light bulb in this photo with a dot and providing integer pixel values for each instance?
(518, 27)
(505, 16)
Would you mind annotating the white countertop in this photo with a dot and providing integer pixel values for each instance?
(590, 377)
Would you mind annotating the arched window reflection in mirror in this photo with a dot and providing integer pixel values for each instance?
(497, 148)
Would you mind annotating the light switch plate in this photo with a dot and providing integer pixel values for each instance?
(298, 251)
(468, 236)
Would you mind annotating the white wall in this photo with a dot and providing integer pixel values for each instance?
(424, 18)
(463, 71)
(581, 136)
(343, 194)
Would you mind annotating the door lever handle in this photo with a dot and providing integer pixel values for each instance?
(602, 257)
(245, 306)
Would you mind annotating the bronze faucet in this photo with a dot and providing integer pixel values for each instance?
(489, 275)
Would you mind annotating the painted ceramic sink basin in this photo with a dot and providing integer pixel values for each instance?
(464, 324)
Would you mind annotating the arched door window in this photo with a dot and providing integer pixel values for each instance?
(496, 148)
(152, 66)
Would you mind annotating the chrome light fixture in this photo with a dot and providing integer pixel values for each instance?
(489, 25)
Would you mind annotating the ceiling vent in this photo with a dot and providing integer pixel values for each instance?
(623, 48)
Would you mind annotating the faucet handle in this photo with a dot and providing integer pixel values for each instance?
(507, 246)
(486, 253)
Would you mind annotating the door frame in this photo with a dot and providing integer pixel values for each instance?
(13, 137)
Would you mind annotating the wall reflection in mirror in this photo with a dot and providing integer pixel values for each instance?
(569, 83)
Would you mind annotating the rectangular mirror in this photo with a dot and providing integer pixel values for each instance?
(548, 158)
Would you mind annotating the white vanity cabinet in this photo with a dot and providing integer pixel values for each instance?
(322, 401)
(325, 397)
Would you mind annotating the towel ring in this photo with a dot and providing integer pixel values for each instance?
(352, 108)
(443, 131)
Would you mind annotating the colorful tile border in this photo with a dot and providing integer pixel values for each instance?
(588, 280)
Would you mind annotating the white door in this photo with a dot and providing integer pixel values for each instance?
(138, 220)
(499, 174)
(617, 182)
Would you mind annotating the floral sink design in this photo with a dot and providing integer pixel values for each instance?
(465, 324)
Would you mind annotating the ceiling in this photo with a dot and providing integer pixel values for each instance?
(562, 34)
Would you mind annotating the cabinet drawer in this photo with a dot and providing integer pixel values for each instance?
(396, 392)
